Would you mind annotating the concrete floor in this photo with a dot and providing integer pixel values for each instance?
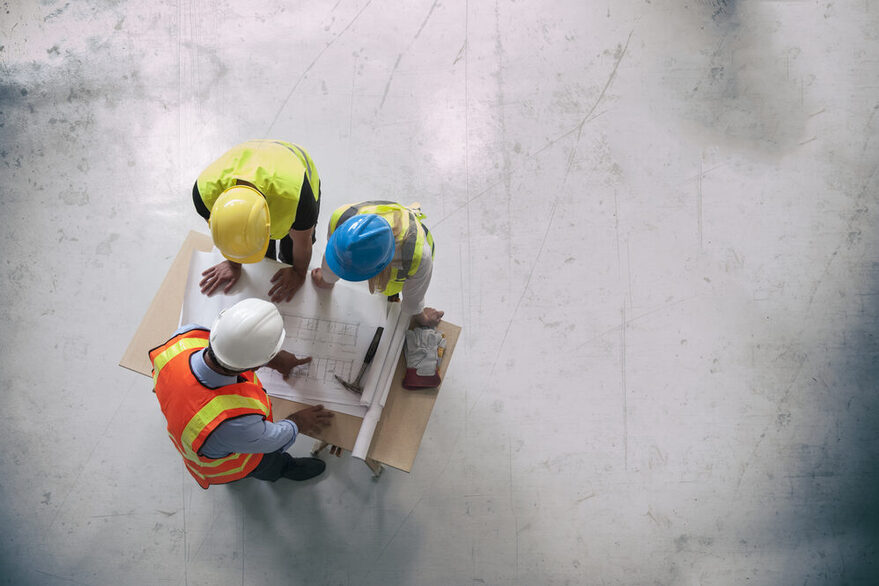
(655, 221)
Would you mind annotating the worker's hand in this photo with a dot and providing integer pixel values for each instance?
(312, 419)
(284, 362)
(429, 317)
(225, 272)
(286, 283)
(317, 277)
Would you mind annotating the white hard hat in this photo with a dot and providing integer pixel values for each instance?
(247, 335)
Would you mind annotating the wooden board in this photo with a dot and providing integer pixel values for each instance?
(406, 413)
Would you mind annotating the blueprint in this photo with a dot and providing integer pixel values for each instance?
(333, 326)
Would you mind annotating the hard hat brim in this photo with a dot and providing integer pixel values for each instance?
(352, 274)
(250, 259)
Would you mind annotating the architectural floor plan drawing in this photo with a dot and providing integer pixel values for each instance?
(334, 327)
(316, 329)
(324, 370)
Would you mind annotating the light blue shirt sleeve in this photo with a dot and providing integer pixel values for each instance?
(249, 434)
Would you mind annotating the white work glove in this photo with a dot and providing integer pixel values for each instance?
(422, 350)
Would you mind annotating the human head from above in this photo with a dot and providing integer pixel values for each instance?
(240, 224)
(360, 248)
(247, 335)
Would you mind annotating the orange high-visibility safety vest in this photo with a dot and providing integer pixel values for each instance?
(193, 410)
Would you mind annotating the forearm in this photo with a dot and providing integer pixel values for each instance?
(415, 288)
(302, 248)
(327, 273)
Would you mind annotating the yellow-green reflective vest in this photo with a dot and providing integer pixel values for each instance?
(275, 167)
(409, 238)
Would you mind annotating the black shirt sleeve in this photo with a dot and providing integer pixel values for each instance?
(202, 209)
(308, 208)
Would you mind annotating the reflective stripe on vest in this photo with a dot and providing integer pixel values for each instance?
(208, 413)
(207, 479)
(171, 351)
(268, 166)
(194, 411)
(303, 156)
(409, 242)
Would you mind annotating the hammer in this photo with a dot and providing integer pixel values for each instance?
(355, 387)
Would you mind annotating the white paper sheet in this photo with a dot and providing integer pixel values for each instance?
(384, 372)
(334, 327)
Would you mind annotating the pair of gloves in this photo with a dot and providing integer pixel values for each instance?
(424, 354)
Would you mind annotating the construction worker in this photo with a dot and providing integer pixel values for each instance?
(386, 243)
(257, 192)
(219, 417)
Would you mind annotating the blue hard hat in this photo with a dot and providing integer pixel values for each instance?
(361, 247)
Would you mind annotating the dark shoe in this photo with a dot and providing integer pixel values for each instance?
(303, 468)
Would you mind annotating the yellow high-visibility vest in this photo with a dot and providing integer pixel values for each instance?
(275, 167)
(409, 236)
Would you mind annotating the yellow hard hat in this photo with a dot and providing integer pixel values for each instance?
(240, 224)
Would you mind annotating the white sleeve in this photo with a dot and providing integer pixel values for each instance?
(415, 287)
(326, 272)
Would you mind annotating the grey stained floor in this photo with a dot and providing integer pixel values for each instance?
(656, 223)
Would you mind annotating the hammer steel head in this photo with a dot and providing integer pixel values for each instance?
(350, 386)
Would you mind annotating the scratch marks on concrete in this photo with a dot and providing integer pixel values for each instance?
(526, 286)
(578, 129)
(56, 13)
(59, 577)
(620, 54)
(390, 78)
(128, 514)
(512, 505)
(460, 54)
(394, 536)
(616, 228)
(859, 210)
(426, 18)
(62, 506)
(629, 274)
(699, 199)
(784, 397)
(408, 47)
(634, 318)
(507, 172)
(585, 498)
(312, 64)
(623, 387)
